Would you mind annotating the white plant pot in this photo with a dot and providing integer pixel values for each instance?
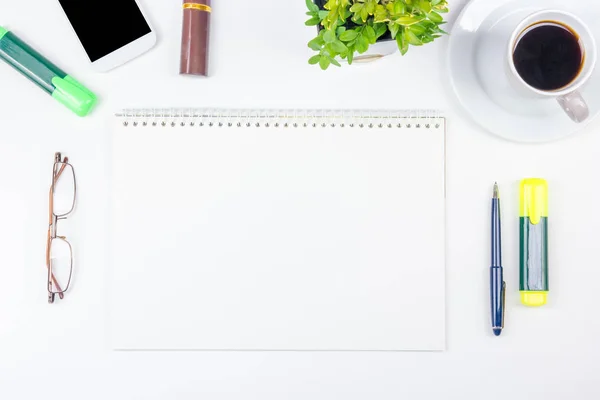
(377, 51)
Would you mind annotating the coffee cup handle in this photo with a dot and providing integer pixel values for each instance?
(575, 106)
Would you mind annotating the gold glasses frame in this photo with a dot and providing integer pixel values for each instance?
(60, 168)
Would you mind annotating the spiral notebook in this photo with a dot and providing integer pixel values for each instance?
(277, 230)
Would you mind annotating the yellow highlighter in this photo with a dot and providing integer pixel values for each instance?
(534, 242)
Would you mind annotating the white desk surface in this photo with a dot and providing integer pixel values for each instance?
(259, 53)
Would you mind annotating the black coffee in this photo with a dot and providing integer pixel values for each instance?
(548, 57)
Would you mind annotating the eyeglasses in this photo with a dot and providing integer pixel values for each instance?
(59, 252)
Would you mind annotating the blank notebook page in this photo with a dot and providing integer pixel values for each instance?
(278, 238)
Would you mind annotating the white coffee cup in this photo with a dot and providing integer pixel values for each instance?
(568, 97)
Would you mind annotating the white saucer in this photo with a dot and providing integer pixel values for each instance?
(478, 77)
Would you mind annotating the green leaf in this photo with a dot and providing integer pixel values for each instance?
(362, 44)
(324, 62)
(428, 24)
(348, 36)
(381, 14)
(313, 21)
(340, 30)
(323, 14)
(314, 59)
(408, 20)
(316, 43)
(435, 17)
(334, 62)
(364, 14)
(394, 28)
(338, 47)
(380, 29)
(435, 2)
(418, 29)
(369, 33)
(399, 7)
(402, 43)
(329, 37)
(425, 5)
(426, 38)
(370, 7)
(335, 16)
(311, 5)
(350, 55)
(411, 38)
(357, 7)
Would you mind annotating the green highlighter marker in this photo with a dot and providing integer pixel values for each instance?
(46, 75)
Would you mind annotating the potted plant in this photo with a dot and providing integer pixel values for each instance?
(347, 29)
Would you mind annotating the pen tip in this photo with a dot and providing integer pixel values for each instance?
(497, 331)
(496, 192)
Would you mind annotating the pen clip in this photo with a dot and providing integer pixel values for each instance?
(503, 302)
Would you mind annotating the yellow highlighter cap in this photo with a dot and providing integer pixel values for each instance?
(534, 199)
(534, 299)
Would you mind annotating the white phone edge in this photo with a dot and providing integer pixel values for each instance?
(125, 53)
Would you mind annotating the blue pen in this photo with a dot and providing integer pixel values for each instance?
(497, 284)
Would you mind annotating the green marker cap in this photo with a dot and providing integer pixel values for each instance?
(73, 95)
(45, 74)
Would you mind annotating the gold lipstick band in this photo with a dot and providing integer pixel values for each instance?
(196, 6)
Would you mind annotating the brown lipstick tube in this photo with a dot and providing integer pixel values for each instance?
(195, 37)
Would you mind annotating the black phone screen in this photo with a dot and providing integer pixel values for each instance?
(105, 26)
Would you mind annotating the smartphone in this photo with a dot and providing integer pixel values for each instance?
(112, 32)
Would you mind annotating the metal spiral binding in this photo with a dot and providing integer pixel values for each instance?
(219, 118)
